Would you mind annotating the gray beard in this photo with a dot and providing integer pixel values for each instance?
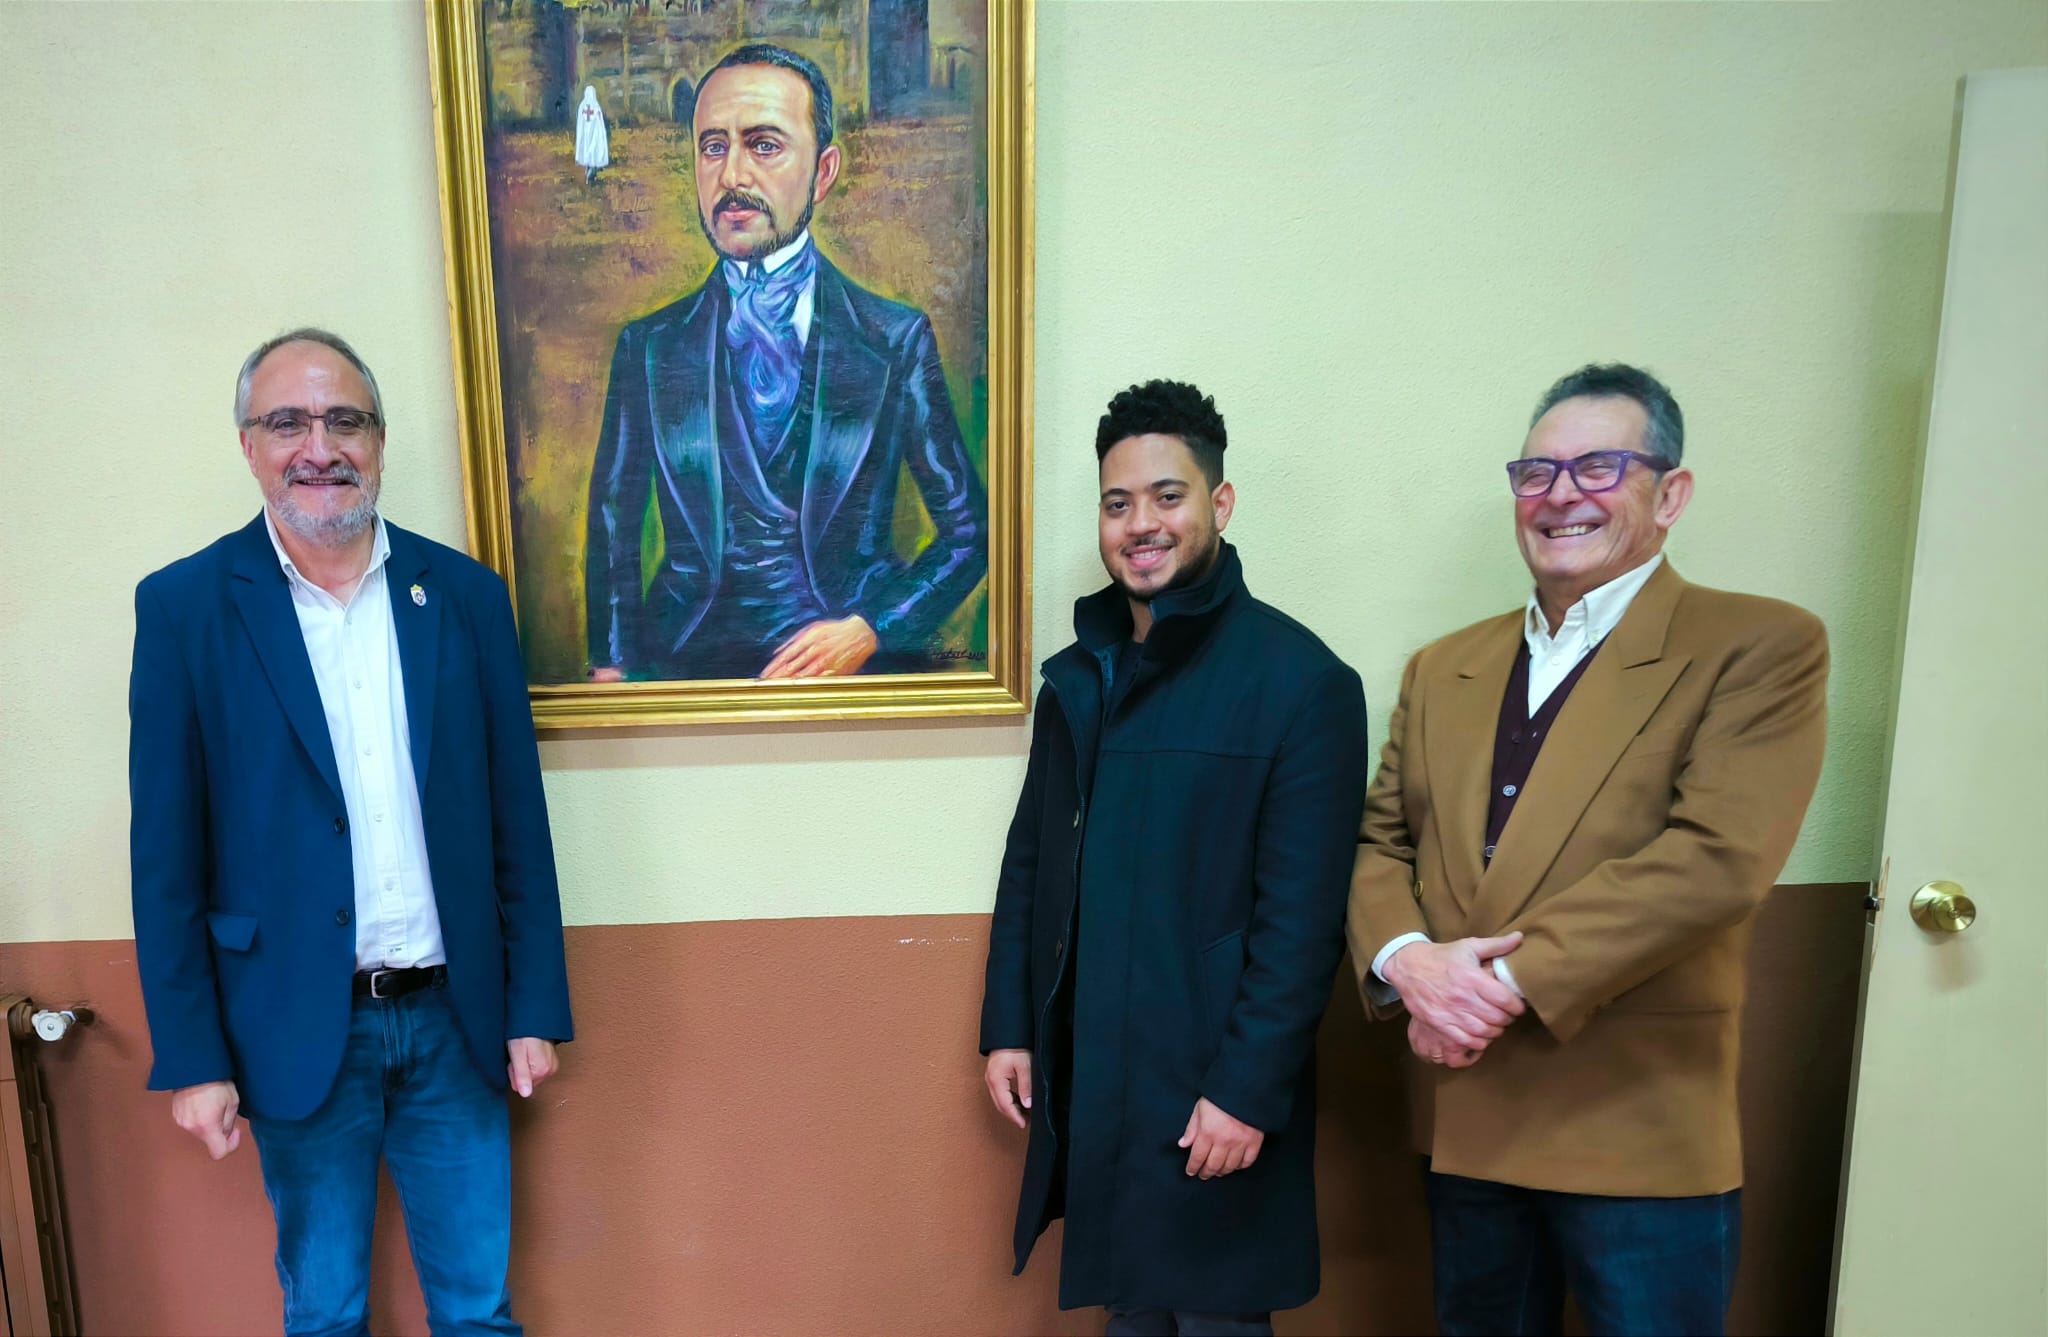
(325, 531)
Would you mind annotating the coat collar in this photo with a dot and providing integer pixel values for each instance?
(263, 597)
(417, 622)
(1181, 618)
(852, 384)
(1621, 688)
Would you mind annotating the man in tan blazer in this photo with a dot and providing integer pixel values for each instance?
(1579, 805)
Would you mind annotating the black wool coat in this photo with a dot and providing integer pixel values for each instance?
(1189, 856)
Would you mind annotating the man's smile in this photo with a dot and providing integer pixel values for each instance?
(340, 475)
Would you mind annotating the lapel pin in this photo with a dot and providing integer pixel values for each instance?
(419, 596)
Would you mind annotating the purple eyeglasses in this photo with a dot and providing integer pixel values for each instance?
(1594, 471)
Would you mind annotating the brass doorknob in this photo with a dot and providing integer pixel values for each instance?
(1941, 907)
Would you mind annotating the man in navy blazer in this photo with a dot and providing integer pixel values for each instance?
(772, 415)
(346, 916)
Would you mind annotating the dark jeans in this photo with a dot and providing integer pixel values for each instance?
(409, 1094)
(1127, 1322)
(1504, 1256)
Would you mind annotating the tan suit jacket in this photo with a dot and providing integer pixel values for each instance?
(1659, 812)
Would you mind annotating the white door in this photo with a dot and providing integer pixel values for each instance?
(1945, 1210)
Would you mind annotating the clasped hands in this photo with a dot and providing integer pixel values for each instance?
(1216, 1143)
(1456, 1005)
(210, 1110)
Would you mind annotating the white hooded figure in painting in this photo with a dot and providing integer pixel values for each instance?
(593, 145)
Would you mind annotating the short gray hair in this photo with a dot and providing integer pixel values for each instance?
(1664, 436)
(305, 334)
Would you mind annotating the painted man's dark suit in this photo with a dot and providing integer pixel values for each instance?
(873, 401)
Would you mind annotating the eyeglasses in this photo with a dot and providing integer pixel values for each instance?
(343, 424)
(1594, 471)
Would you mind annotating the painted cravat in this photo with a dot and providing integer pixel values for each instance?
(761, 337)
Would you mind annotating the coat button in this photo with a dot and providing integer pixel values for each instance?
(1418, 891)
(342, 917)
(341, 826)
(1059, 947)
(1077, 817)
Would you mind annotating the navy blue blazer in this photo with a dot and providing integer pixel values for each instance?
(243, 886)
(881, 413)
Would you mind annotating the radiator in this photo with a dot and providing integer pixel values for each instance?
(35, 1257)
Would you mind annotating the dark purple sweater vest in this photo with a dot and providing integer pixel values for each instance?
(1519, 737)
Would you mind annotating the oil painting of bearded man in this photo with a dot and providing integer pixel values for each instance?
(763, 436)
(745, 390)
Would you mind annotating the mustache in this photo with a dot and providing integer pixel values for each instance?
(341, 471)
(742, 199)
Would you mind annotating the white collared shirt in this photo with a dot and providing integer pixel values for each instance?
(1586, 624)
(806, 299)
(1551, 660)
(354, 650)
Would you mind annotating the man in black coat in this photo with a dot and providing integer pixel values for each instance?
(1171, 907)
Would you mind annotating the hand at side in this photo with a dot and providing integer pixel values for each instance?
(208, 1111)
(1008, 1078)
(1218, 1144)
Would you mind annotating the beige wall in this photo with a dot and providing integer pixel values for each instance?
(1374, 231)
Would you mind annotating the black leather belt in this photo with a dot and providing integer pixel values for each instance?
(398, 983)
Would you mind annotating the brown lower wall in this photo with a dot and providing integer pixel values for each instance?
(778, 1126)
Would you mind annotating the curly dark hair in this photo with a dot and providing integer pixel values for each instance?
(1168, 408)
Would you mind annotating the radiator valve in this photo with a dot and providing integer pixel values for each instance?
(55, 1025)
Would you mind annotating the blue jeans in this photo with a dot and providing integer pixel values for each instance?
(407, 1093)
(1503, 1257)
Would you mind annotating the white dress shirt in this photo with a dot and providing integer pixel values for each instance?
(806, 299)
(354, 650)
(1586, 624)
(1551, 660)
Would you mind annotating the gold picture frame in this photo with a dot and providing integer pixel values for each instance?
(481, 91)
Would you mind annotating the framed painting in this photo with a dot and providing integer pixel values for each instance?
(741, 301)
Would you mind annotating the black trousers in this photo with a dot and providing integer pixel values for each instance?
(1128, 1322)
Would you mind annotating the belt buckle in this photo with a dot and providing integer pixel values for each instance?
(377, 977)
